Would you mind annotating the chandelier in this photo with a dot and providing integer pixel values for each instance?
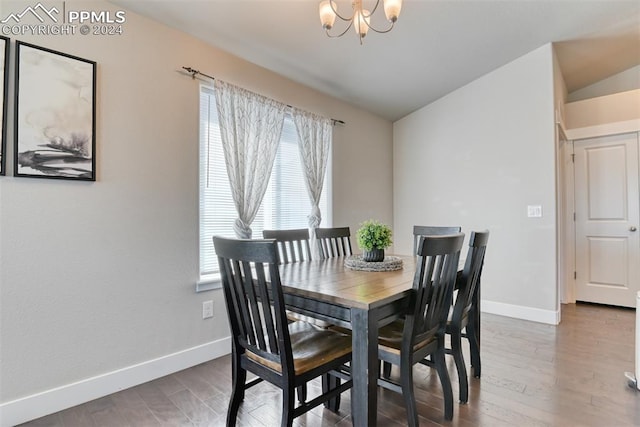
(360, 19)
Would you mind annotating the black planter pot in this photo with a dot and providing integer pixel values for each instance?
(374, 255)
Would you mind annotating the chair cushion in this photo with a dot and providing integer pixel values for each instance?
(312, 346)
(390, 337)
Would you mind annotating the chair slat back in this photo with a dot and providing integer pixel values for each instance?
(430, 230)
(470, 278)
(293, 245)
(334, 242)
(254, 299)
(433, 284)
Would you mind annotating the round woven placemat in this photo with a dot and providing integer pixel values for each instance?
(390, 263)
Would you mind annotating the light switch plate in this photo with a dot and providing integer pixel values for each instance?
(534, 211)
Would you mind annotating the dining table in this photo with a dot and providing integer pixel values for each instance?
(362, 301)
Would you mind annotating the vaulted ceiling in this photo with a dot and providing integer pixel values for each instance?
(436, 47)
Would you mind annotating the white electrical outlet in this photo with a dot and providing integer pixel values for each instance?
(207, 309)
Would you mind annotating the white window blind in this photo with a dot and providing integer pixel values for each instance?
(285, 204)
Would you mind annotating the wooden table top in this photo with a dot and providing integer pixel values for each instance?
(330, 281)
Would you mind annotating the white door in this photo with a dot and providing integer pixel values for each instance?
(607, 220)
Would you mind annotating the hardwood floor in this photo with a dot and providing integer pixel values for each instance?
(532, 375)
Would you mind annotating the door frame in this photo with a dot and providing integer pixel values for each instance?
(565, 183)
(566, 262)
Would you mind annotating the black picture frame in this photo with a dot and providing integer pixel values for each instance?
(55, 114)
(4, 87)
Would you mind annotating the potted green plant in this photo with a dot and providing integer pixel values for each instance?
(373, 239)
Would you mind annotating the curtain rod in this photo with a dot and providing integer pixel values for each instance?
(196, 72)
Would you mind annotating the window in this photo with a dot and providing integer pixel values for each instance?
(285, 204)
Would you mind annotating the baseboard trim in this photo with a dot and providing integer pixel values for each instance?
(50, 401)
(551, 317)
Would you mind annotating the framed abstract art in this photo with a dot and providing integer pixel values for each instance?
(4, 81)
(55, 132)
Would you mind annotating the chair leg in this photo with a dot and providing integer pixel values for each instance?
(302, 393)
(239, 376)
(329, 382)
(474, 349)
(445, 382)
(288, 395)
(456, 349)
(406, 380)
(386, 369)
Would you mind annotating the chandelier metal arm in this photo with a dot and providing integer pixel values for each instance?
(342, 33)
(374, 8)
(342, 17)
(354, 13)
(381, 31)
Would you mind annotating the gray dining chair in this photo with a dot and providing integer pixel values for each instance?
(293, 245)
(287, 355)
(421, 332)
(334, 242)
(460, 318)
(431, 230)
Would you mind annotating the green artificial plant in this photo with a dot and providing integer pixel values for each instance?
(373, 235)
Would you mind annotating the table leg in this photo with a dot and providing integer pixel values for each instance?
(364, 368)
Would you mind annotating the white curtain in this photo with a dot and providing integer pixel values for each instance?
(250, 126)
(314, 141)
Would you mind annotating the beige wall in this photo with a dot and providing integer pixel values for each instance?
(603, 110)
(477, 158)
(621, 82)
(97, 277)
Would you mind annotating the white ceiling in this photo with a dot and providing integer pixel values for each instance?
(436, 47)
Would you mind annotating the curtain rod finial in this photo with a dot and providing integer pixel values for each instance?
(191, 71)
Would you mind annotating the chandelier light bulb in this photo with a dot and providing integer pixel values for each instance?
(327, 14)
(361, 20)
(392, 9)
